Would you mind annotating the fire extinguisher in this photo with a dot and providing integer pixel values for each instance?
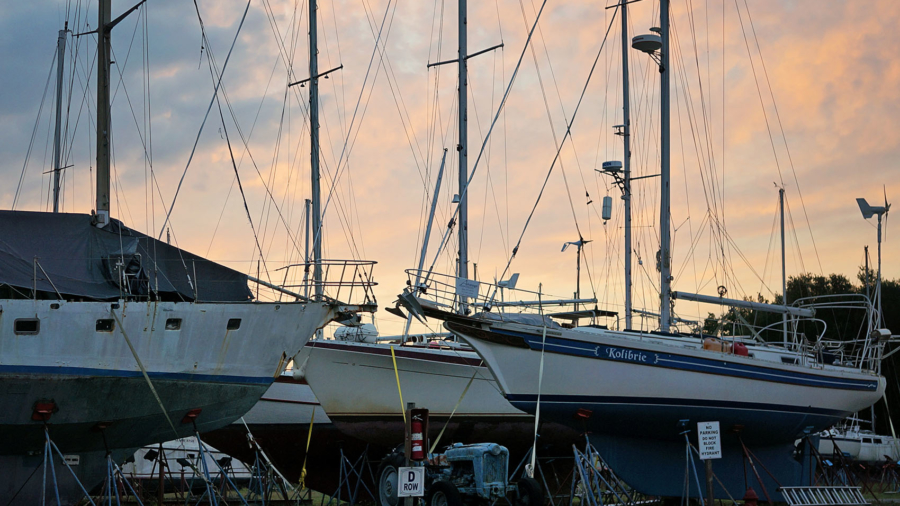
(417, 438)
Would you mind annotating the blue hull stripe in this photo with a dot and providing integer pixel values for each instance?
(526, 402)
(82, 372)
(687, 363)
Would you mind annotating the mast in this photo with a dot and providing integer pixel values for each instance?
(878, 322)
(314, 149)
(626, 163)
(103, 123)
(578, 274)
(57, 141)
(664, 204)
(462, 270)
(306, 255)
(434, 199)
(783, 275)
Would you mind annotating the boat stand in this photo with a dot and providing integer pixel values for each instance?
(552, 495)
(351, 477)
(596, 483)
(265, 479)
(116, 482)
(49, 449)
(213, 494)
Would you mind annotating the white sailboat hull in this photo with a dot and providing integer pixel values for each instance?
(357, 386)
(638, 394)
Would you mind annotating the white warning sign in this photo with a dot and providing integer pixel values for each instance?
(411, 482)
(708, 437)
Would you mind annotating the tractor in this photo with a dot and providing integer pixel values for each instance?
(463, 474)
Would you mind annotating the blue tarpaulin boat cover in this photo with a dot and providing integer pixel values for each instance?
(66, 253)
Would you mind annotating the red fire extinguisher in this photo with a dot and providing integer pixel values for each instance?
(417, 438)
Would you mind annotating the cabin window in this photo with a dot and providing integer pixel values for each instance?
(173, 324)
(106, 325)
(233, 324)
(27, 326)
(878, 441)
(867, 440)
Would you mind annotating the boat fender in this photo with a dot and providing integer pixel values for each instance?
(299, 373)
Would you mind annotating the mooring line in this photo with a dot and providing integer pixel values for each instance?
(529, 469)
(144, 372)
(312, 420)
(397, 375)
(438, 439)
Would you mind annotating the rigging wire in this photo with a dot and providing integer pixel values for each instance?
(34, 130)
(490, 130)
(345, 152)
(783, 135)
(237, 177)
(567, 135)
(208, 109)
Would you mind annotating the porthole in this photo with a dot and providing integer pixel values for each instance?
(27, 326)
(173, 324)
(233, 324)
(106, 325)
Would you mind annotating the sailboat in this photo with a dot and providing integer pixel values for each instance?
(114, 339)
(640, 395)
(444, 376)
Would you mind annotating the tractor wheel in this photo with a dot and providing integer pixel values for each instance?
(529, 492)
(443, 493)
(387, 479)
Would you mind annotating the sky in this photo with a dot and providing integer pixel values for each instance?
(765, 94)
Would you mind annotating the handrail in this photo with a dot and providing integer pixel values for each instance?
(343, 281)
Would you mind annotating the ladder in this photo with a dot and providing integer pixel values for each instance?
(823, 496)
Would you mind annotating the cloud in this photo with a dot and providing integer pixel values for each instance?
(833, 80)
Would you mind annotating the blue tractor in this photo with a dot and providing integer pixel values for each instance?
(463, 474)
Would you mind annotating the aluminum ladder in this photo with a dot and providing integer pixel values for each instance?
(823, 496)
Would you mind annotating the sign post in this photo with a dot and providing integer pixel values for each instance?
(410, 482)
(710, 446)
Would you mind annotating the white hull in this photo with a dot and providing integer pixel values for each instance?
(632, 375)
(357, 386)
(287, 402)
(859, 446)
(638, 394)
(93, 376)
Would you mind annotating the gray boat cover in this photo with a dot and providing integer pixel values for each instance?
(73, 257)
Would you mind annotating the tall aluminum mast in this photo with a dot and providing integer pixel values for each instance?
(57, 135)
(103, 123)
(626, 163)
(665, 268)
(462, 269)
(314, 150)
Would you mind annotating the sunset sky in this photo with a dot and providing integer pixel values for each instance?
(799, 94)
